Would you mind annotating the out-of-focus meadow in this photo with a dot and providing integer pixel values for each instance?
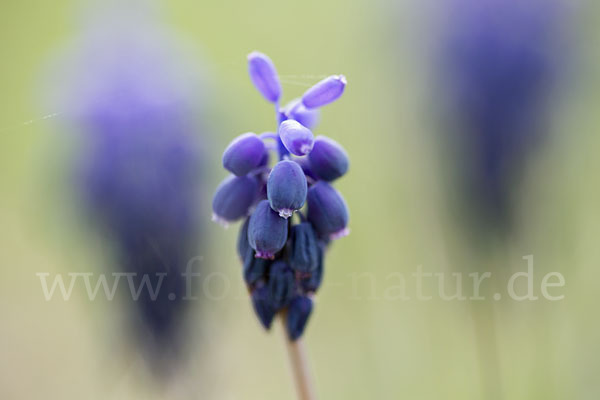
(364, 339)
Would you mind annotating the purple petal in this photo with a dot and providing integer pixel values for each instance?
(234, 197)
(327, 211)
(286, 188)
(296, 110)
(264, 76)
(296, 138)
(328, 160)
(324, 92)
(243, 154)
(267, 232)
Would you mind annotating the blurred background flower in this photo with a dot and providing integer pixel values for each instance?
(127, 94)
(498, 65)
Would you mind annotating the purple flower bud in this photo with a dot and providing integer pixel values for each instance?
(295, 110)
(244, 154)
(328, 160)
(264, 76)
(310, 282)
(296, 138)
(304, 163)
(262, 306)
(286, 188)
(281, 285)
(324, 92)
(304, 251)
(327, 211)
(267, 232)
(297, 316)
(234, 197)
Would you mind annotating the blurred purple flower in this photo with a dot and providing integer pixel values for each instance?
(127, 94)
(499, 64)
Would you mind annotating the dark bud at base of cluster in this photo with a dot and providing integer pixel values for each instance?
(310, 282)
(282, 284)
(262, 306)
(255, 269)
(297, 316)
(304, 251)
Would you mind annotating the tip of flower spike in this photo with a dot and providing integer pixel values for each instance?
(324, 92)
(286, 213)
(220, 220)
(254, 54)
(339, 234)
(264, 76)
(264, 254)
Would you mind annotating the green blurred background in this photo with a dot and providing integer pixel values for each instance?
(362, 344)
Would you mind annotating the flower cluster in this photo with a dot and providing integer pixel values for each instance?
(139, 168)
(499, 61)
(291, 210)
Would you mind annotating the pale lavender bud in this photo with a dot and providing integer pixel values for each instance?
(264, 76)
(324, 92)
(296, 110)
(296, 138)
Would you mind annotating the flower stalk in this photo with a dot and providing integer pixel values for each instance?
(300, 368)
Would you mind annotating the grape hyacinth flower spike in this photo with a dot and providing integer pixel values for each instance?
(138, 169)
(292, 212)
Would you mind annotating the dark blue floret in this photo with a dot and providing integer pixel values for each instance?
(311, 281)
(244, 153)
(305, 165)
(234, 197)
(262, 306)
(327, 211)
(297, 316)
(304, 249)
(267, 231)
(282, 284)
(328, 160)
(286, 188)
(255, 269)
